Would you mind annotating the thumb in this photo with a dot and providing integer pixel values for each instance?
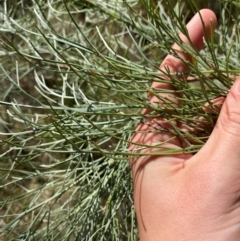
(223, 146)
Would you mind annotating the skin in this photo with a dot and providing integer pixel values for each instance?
(184, 196)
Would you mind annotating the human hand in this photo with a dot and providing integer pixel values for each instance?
(183, 196)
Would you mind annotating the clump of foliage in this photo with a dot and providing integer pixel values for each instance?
(75, 77)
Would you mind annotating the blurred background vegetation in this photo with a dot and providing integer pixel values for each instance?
(74, 77)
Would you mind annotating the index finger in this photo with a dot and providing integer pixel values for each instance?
(199, 27)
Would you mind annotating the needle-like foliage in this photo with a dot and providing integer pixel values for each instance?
(74, 78)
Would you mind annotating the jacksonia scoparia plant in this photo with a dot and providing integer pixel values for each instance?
(74, 79)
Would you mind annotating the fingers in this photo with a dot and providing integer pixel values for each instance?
(213, 109)
(199, 27)
(215, 106)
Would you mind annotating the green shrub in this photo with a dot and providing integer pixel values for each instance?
(74, 78)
